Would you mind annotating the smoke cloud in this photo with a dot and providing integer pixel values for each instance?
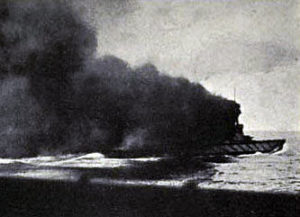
(56, 97)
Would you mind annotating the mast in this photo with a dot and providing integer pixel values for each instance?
(234, 99)
(234, 92)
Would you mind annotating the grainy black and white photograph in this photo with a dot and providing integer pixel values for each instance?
(149, 108)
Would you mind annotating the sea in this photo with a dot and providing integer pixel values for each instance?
(275, 172)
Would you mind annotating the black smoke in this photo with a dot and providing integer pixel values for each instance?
(61, 99)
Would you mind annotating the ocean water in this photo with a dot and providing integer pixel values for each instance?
(277, 172)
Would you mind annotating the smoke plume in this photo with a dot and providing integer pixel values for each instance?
(56, 97)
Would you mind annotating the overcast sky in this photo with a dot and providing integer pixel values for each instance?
(250, 45)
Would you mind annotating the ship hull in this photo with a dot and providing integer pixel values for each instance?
(249, 147)
(232, 148)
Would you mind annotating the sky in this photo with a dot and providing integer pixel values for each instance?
(252, 46)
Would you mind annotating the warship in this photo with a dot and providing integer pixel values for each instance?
(244, 144)
(239, 144)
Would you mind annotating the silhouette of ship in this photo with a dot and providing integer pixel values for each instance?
(244, 144)
(240, 144)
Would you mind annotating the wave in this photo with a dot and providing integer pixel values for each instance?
(90, 160)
